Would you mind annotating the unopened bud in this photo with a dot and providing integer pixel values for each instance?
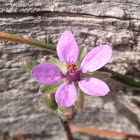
(66, 113)
(49, 100)
(28, 64)
(18, 136)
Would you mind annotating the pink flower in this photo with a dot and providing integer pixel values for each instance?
(68, 52)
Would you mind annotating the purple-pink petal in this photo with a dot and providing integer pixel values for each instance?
(47, 73)
(93, 86)
(67, 48)
(66, 95)
(96, 58)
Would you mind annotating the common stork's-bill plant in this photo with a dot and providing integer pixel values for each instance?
(75, 71)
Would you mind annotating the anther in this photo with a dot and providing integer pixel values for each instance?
(72, 68)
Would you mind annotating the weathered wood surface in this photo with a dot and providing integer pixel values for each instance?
(93, 22)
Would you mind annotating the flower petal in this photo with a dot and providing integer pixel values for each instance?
(47, 73)
(66, 95)
(67, 48)
(96, 58)
(93, 86)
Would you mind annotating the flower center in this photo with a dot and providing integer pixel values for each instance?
(73, 72)
(72, 68)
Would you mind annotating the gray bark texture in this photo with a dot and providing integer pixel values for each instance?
(93, 22)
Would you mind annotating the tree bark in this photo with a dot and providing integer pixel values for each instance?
(93, 22)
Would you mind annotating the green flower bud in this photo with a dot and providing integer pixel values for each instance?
(66, 113)
(50, 102)
(28, 64)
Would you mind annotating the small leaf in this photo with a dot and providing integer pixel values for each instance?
(57, 63)
(50, 88)
(28, 64)
(96, 74)
(82, 53)
(49, 100)
(66, 113)
(80, 99)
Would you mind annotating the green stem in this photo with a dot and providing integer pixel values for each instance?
(28, 40)
(123, 79)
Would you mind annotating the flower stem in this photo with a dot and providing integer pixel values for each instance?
(123, 79)
(28, 40)
(67, 129)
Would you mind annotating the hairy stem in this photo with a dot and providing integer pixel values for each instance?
(28, 40)
(123, 79)
(67, 129)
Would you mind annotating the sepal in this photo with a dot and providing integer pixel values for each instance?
(96, 74)
(50, 88)
(57, 63)
(82, 53)
(80, 100)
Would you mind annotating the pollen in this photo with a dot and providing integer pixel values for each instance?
(72, 68)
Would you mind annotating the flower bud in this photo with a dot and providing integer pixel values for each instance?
(66, 113)
(49, 100)
(28, 64)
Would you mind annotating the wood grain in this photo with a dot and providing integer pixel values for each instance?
(112, 22)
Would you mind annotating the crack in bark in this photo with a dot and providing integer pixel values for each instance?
(58, 13)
